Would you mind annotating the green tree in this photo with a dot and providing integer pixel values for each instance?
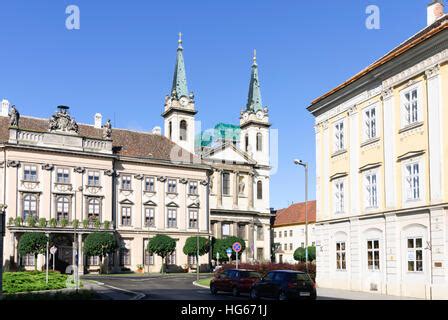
(162, 246)
(100, 244)
(191, 247)
(33, 243)
(221, 245)
(300, 255)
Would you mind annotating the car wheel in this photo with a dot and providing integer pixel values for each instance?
(282, 296)
(235, 292)
(254, 294)
(213, 289)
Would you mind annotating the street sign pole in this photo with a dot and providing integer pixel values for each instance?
(46, 260)
(237, 261)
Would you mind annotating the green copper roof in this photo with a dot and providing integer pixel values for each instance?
(254, 98)
(224, 131)
(180, 78)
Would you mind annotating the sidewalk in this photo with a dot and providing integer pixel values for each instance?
(330, 294)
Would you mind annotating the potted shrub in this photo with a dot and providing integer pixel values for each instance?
(18, 222)
(106, 225)
(64, 223)
(85, 223)
(75, 223)
(10, 221)
(140, 268)
(42, 222)
(31, 221)
(53, 223)
(97, 224)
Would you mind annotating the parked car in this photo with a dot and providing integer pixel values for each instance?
(235, 281)
(284, 285)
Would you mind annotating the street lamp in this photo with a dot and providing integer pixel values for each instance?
(305, 165)
(2, 234)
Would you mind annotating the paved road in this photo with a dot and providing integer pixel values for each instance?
(168, 287)
(155, 287)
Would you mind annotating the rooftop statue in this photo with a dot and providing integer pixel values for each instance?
(14, 117)
(62, 121)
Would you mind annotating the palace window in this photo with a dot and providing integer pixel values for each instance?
(93, 261)
(340, 256)
(93, 178)
(373, 254)
(415, 254)
(285, 233)
(192, 260)
(171, 258)
(93, 209)
(259, 190)
(285, 246)
(125, 257)
(28, 260)
(150, 217)
(172, 186)
(148, 258)
(260, 233)
(246, 142)
(62, 208)
(193, 188)
(370, 123)
(172, 218)
(29, 206)
(275, 234)
(126, 182)
(371, 190)
(290, 246)
(410, 103)
(259, 142)
(126, 216)
(150, 184)
(63, 175)
(225, 229)
(412, 181)
(290, 233)
(30, 173)
(226, 183)
(170, 130)
(339, 136)
(339, 196)
(183, 130)
(242, 231)
(193, 219)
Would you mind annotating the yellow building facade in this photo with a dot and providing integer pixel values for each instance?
(381, 182)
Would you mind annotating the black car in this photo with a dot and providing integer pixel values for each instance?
(284, 285)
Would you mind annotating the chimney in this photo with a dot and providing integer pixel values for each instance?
(5, 108)
(435, 11)
(98, 121)
(157, 130)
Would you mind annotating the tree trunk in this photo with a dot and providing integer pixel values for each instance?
(35, 262)
(101, 264)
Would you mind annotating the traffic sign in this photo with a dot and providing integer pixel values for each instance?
(53, 250)
(236, 247)
(229, 252)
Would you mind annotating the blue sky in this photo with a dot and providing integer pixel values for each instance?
(121, 61)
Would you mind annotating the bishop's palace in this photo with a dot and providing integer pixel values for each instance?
(69, 180)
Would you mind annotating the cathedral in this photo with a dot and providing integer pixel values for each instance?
(69, 180)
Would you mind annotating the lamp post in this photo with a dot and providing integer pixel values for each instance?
(2, 234)
(197, 251)
(305, 165)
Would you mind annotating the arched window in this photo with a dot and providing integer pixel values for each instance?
(29, 206)
(183, 130)
(259, 142)
(246, 142)
(62, 208)
(170, 130)
(259, 190)
(93, 209)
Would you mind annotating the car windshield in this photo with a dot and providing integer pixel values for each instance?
(250, 274)
(301, 277)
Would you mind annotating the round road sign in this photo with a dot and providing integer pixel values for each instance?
(236, 247)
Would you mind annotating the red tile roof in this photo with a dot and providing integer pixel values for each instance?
(125, 142)
(295, 214)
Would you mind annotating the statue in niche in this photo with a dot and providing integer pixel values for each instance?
(14, 117)
(241, 185)
(211, 182)
(107, 130)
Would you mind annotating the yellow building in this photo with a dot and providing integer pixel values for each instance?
(382, 188)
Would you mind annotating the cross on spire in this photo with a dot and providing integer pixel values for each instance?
(180, 40)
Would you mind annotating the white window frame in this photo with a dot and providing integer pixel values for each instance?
(339, 136)
(414, 250)
(222, 229)
(171, 214)
(406, 112)
(341, 252)
(93, 178)
(65, 175)
(126, 182)
(371, 189)
(373, 250)
(171, 186)
(126, 211)
(370, 124)
(193, 215)
(409, 181)
(149, 212)
(339, 195)
(193, 185)
(150, 184)
(28, 170)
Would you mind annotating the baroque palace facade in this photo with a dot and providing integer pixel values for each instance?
(382, 187)
(77, 179)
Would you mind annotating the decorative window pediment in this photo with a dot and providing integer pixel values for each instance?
(127, 201)
(338, 175)
(172, 205)
(194, 206)
(370, 166)
(150, 203)
(410, 154)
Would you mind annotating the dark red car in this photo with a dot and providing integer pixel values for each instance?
(235, 281)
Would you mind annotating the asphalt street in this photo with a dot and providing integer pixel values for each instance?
(167, 287)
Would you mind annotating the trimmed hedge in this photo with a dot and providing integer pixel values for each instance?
(14, 282)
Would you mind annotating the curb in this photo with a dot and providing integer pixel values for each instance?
(200, 285)
(137, 295)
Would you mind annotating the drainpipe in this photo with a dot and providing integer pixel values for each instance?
(385, 245)
(429, 243)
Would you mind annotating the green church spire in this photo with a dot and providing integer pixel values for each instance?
(179, 88)
(254, 98)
